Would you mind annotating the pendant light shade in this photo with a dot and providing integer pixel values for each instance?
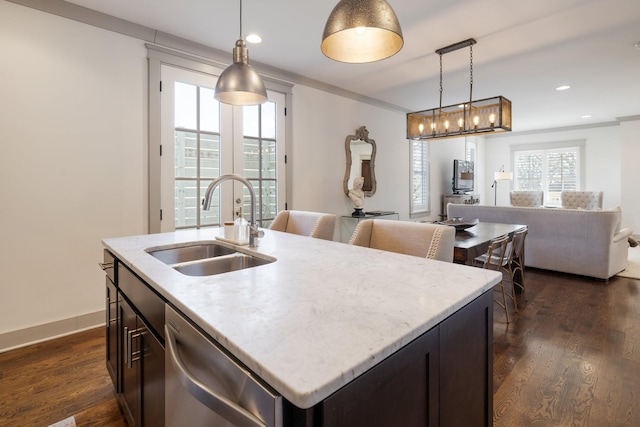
(239, 83)
(360, 31)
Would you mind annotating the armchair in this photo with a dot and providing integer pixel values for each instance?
(589, 200)
(527, 198)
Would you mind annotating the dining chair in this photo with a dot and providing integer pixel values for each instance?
(497, 258)
(304, 223)
(425, 240)
(517, 261)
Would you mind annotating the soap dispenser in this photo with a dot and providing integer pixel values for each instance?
(241, 226)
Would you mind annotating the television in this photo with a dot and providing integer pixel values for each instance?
(462, 177)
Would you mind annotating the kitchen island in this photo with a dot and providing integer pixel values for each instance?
(323, 314)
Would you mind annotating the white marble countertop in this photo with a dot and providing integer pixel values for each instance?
(320, 315)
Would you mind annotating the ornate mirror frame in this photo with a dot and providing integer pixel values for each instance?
(369, 188)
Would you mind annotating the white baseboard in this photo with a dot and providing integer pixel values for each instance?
(35, 334)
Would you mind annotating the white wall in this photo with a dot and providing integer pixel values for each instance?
(73, 162)
(322, 121)
(630, 161)
(602, 162)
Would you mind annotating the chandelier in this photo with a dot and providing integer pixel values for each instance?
(467, 118)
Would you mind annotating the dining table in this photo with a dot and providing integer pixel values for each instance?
(474, 241)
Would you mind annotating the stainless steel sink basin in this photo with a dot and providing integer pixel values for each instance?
(221, 264)
(191, 253)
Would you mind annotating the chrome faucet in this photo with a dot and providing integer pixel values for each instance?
(253, 228)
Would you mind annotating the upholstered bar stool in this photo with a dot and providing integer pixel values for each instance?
(311, 224)
(431, 241)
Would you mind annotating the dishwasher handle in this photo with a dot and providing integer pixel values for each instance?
(219, 404)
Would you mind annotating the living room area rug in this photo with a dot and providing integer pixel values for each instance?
(633, 269)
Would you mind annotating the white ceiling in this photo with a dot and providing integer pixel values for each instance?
(525, 50)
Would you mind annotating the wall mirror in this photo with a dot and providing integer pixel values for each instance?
(361, 156)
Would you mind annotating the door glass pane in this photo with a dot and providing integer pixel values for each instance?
(186, 211)
(209, 111)
(268, 120)
(251, 161)
(185, 159)
(268, 159)
(186, 106)
(212, 216)
(251, 120)
(209, 156)
(269, 202)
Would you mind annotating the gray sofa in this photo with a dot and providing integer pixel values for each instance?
(585, 242)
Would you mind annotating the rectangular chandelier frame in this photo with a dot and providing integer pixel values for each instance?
(469, 118)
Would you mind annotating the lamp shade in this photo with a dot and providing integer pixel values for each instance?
(359, 31)
(239, 83)
(503, 176)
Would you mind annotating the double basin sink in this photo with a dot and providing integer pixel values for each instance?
(206, 258)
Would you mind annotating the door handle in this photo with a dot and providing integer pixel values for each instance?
(129, 354)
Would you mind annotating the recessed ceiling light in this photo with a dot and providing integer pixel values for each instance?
(587, 116)
(254, 38)
(563, 87)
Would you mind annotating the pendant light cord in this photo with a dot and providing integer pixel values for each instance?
(440, 108)
(470, 72)
(240, 19)
(470, 81)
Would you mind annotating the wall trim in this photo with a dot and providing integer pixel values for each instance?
(45, 332)
(549, 130)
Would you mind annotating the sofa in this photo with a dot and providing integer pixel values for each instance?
(584, 242)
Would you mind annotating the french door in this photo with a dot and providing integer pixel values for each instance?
(202, 139)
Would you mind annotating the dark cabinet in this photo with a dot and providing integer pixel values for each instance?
(135, 344)
(111, 321)
(130, 394)
(400, 391)
(443, 378)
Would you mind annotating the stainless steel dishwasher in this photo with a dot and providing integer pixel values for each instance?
(205, 387)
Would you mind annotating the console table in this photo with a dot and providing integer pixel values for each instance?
(349, 223)
(458, 199)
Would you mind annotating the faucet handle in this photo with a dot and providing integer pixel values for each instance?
(257, 232)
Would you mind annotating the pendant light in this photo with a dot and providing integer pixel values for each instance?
(462, 119)
(360, 31)
(239, 83)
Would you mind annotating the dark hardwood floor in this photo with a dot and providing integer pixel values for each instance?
(571, 357)
(48, 382)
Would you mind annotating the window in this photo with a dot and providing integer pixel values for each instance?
(419, 177)
(552, 170)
